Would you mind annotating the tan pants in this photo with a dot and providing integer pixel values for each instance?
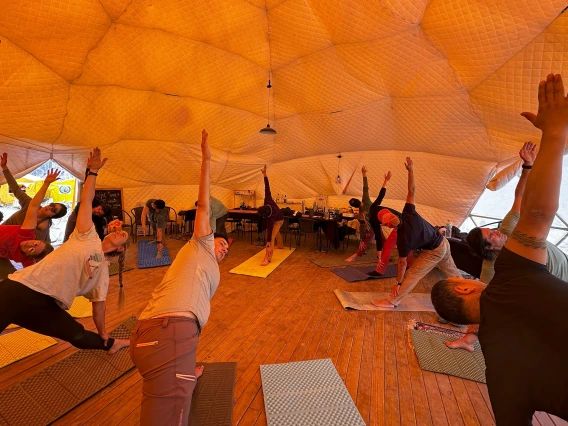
(428, 259)
(163, 350)
(276, 237)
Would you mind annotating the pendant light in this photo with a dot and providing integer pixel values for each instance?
(268, 130)
(338, 178)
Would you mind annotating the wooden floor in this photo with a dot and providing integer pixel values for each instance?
(292, 315)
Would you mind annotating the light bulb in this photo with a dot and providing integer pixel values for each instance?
(338, 179)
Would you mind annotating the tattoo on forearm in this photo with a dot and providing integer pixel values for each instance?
(529, 241)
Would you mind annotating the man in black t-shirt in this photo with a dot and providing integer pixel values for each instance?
(522, 312)
(413, 232)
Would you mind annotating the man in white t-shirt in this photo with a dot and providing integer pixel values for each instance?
(37, 297)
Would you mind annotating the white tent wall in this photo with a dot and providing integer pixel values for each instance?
(180, 197)
(443, 81)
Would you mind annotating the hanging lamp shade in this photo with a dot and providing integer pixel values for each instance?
(267, 130)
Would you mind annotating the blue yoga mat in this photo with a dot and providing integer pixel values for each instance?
(362, 273)
(147, 255)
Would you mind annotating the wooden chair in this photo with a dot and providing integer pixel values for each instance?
(307, 227)
(137, 215)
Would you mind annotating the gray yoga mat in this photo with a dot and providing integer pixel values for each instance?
(362, 273)
(53, 391)
(307, 393)
(361, 301)
(434, 356)
(212, 402)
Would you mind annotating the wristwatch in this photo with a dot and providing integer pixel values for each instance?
(90, 173)
(399, 283)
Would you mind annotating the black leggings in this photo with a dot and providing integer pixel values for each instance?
(38, 312)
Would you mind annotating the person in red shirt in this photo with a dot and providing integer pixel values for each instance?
(18, 242)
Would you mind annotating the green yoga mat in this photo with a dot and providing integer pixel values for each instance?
(47, 395)
(212, 402)
(434, 355)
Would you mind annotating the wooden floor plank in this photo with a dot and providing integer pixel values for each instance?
(392, 401)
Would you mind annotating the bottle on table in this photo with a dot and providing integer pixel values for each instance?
(449, 229)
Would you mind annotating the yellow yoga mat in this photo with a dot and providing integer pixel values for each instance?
(252, 266)
(81, 308)
(20, 344)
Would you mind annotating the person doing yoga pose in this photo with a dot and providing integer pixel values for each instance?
(521, 312)
(44, 214)
(17, 242)
(413, 232)
(274, 220)
(36, 297)
(164, 341)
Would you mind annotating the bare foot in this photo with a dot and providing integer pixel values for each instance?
(199, 371)
(351, 258)
(384, 303)
(265, 262)
(118, 345)
(159, 255)
(466, 342)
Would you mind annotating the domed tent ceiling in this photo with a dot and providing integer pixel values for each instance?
(443, 81)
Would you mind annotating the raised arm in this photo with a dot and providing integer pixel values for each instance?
(366, 198)
(541, 198)
(85, 213)
(267, 193)
(409, 165)
(202, 225)
(527, 154)
(30, 221)
(378, 201)
(21, 195)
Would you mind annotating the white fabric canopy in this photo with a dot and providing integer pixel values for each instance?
(443, 81)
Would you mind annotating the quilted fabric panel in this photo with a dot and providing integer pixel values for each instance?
(56, 32)
(234, 26)
(478, 37)
(127, 57)
(32, 99)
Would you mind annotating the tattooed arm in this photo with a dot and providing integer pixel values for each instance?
(541, 199)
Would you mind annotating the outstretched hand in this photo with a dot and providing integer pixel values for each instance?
(4, 160)
(52, 176)
(552, 115)
(95, 162)
(528, 153)
(263, 170)
(388, 176)
(205, 151)
(409, 165)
